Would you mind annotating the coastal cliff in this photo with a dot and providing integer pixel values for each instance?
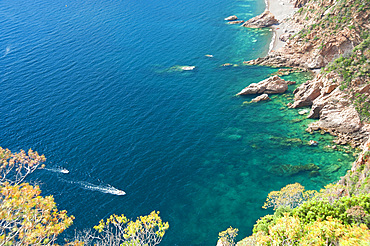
(331, 38)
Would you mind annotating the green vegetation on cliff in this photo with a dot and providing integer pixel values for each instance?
(355, 74)
(337, 33)
(325, 219)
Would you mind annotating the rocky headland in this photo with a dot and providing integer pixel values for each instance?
(332, 39)
(265, 19)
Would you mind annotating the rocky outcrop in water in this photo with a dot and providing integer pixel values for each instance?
(263, 97)
(231, 18)
(328, 30)
(290, 170)
(235, 22)
(265, 19)
(272, 85)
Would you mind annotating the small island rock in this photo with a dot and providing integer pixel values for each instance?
(263, 97)
(272, 85)
(235, 22)
(263, 20)
(231, 18)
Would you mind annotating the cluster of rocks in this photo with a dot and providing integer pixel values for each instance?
(233, 19)
(331, 106)
(265, 19)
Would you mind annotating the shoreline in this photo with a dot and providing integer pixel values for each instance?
(281, 9)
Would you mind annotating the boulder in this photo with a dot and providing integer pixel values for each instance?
(263, 97)
(315, 112)
(231, 18)
(265, 19)
(235, 22)
(344, 120)
(330, 88)
(299, 3)
(272, 85)
(284, 37)
(306, 94)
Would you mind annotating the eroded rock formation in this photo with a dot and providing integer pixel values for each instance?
(263, 20)
(272, 85)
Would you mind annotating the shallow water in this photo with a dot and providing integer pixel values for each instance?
(90, 85)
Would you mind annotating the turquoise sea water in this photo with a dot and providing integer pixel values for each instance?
(90, 85)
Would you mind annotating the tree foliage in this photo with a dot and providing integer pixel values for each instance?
(15, 167)
(348, 210)
(323, 219)
(119, 230)
(290, 196)
(290, 230)
(26, 218)
(227, 237)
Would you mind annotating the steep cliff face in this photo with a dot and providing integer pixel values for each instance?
(334, 36)
(328, 29)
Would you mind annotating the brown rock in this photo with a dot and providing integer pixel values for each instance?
(263, 20)
(284, 37)
(272, 85)
(299, 3)
(344, 120)
(235, 22)
(231, 18)
(263, 97)
(330, 88)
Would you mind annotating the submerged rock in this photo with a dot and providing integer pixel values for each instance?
(179, 68)
(289, 170)
(265, 19)
(234, 137)
(227, 65)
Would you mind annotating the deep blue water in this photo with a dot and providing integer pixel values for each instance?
(91, 85)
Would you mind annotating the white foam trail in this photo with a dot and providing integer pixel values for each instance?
(102, 188)
(57, 170)
(271, 46)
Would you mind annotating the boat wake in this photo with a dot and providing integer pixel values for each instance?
(104, 188)
(57, 170)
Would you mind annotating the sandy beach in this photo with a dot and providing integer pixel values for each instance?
(281, 9)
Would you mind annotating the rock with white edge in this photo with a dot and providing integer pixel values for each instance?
(231, 18)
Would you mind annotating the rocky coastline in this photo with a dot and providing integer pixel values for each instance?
(310, 36)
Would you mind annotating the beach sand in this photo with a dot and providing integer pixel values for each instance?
(281, 9)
